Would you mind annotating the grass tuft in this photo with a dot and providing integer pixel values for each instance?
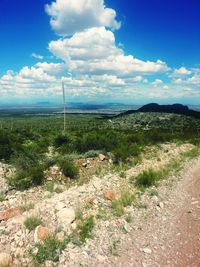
(147, 178)
(49, 250)
(2, 197)
(32, 222)
(26, 207)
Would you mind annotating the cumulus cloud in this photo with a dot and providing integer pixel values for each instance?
(91, 64)
(137, 79)
(181, 71)
(157, 82)
(94, 51)
(69, 17)
(52, 68)
(194, 80)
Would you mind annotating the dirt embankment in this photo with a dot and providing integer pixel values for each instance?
(169, 236)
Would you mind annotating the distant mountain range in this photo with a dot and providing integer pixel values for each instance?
(175, 109)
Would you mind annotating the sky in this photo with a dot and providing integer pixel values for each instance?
(130, 51)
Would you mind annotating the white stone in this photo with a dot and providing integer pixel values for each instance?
(161, 205)
(147, 250)
(60, 206)
(155, 199)
(5, 259)
(66, 216)
(101, 157)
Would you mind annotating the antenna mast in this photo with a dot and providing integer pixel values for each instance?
(64, 104)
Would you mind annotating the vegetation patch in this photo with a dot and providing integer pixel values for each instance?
(147, 178)
(49, 250)
(2, 197)
(53, 188)
(32, 222)
(69, 169)
(26, 207)
(85, 228)
(126, 199)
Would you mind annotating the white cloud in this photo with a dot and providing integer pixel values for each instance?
(137, 79)
(52, 68)
(194, 80)
(178, 81)
(165, 87)
(94, 52)
(109, 80)
(99, 67)
(157, 82)
(71, 16)
(182, 71)
(37, 56)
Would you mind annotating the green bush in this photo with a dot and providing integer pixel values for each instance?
(26, 159)
(61, 140)
(118, 208)
(32, 222)
(148, 178)
(93, 153)
(69, 169)
(27, 178)
(85, 229)
(49, 250)
(2, 197)
(124, 152)
(127, 198)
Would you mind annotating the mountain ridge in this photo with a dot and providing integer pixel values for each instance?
(172, 109)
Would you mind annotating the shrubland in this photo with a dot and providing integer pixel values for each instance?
(26, 144)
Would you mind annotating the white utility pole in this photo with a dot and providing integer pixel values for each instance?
(64, 105)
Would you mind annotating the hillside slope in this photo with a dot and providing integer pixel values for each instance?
(134, 236)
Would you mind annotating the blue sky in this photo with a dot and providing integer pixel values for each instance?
(131, 51)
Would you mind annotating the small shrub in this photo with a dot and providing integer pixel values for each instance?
(153, 192)
(122, 174)
(114, 247)
(85, 229)
(25, 179)
(92, 153)
(118, 208)
(123, 152)
(102, 214)
(61, 140)
(148, 178)
(2, 197)
(128, 218)
(72, 156)
(32, 222)
(192, 153)
(127, 198)
(52, 187)
(69, 169)
(26, 207)
(49, 250)
(79, 214)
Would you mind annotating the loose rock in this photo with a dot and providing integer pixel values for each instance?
(41, 233)
(5, 259)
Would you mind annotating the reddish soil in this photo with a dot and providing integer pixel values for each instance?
(172, 233)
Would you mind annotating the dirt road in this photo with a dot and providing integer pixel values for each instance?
(168, 233)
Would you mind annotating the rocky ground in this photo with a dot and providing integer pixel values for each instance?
(156, 230)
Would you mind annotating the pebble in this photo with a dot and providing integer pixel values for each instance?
(147, 250)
